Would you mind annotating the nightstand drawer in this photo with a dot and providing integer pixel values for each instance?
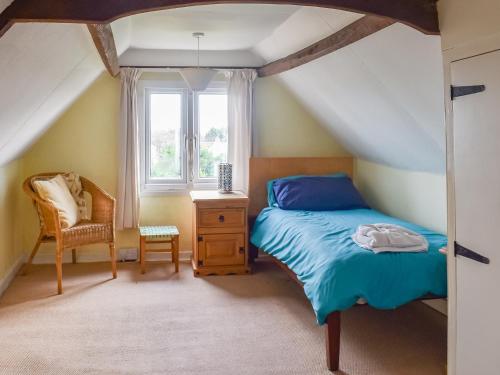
(217, 218)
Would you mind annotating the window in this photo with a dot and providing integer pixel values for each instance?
(165, 132)
(211, 116)
(184, 136)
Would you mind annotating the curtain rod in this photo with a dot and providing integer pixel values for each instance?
(188, 67)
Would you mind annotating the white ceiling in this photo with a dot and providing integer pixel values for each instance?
(226, 27)
(4, 4)
(159, 57)
(305, 27)
(232, 34)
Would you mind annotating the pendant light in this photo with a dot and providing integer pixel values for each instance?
(198, 78)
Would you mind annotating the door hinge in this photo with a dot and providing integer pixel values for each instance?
(242, 250)
(200, 238)
(457, 91)
(467, 253)
(200, 263)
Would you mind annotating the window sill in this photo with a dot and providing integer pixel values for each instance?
(172, 190)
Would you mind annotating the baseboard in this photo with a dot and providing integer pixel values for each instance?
(7, 279)
(102, 256)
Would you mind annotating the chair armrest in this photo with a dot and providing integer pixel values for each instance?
(103, 204)
(51, 219)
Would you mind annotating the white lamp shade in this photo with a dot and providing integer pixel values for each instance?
(198, 78)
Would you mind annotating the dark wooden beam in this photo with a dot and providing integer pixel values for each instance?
(419, 14)
(351, 33)
(105, 44)
(5, 24)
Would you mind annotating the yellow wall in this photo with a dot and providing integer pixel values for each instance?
(414, 196)
(84, 140)
(282, 127)
(464, 21)
(10, 226)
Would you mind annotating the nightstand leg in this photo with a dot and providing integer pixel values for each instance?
(175, 253)
(143, 254)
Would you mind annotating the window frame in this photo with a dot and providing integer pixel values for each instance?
(189, 136)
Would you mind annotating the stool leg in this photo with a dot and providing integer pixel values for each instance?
(143, 254)
(175, 252)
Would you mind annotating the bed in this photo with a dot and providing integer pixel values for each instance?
(316, 248)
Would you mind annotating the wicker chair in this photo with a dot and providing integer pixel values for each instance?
(100, 229)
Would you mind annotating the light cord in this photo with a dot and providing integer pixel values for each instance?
(198, 38)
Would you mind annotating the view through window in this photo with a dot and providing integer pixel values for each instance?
(165, 135)
(212, 123)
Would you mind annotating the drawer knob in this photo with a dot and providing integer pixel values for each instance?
(221, 218)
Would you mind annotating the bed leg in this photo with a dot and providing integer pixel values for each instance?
(253, 253)
(332, 335)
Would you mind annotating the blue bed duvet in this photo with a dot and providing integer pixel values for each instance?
(317, 247)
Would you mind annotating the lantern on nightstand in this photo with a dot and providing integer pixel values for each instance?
(225, 177)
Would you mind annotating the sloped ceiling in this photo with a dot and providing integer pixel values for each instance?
(43, 69)
(382, 97)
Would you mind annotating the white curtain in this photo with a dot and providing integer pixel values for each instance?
(240, 102)
(127, 205)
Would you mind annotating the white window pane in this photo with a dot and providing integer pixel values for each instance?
(212, 120)
(165, 130)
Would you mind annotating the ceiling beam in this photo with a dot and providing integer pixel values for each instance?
(351, 33)
(5, 24)
(419, 14)
(105, 44)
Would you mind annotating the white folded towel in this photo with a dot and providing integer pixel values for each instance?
(389, 237)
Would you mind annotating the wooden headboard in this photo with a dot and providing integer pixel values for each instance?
(265, 169)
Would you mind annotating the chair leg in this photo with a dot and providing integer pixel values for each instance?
(59, 259)
(32, 255)
(73, 255)
(112, 254)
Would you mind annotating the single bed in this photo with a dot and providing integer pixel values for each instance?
(316, 246)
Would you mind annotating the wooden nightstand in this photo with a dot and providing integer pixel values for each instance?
(220, 234)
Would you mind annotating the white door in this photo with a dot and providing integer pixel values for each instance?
(476, 128)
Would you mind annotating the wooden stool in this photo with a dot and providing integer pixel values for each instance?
(159, 235)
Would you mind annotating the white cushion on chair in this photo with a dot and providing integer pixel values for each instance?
(56, 192)
(75, 188)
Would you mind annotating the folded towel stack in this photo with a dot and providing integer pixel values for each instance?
(389, 237)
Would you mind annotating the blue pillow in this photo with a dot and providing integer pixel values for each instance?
(271, 199)
(317, 194)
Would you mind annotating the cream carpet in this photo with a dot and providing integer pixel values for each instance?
(163, 323)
